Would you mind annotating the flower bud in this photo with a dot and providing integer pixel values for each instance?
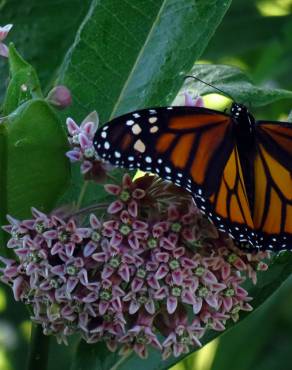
(60, 97)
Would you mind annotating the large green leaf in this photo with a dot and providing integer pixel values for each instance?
(34, 169)
(96, 357)
(235, 83)
(42, 32)
(133, 54)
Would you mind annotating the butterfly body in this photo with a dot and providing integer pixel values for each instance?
(237, 169)
(245, 139)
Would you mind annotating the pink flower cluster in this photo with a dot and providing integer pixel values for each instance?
(149, 271)
(82, 149)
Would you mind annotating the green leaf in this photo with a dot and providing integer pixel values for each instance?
(270, 321)
(34, 169)
(24, 84)
(260, 330)
(42, 32)
(94, 357)
(97, 357)
(133, 54)
(235, 83)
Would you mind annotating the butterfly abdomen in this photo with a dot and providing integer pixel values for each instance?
(245, 141)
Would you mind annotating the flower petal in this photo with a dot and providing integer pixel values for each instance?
(89, 248)
(134, 307)
(171, 304)
(115, 207)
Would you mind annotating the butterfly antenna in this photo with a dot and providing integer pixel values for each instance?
(214, 87)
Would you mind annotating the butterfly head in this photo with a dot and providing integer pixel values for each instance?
(243, 118)
(238, 110)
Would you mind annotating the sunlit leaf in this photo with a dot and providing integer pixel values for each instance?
(234, 83)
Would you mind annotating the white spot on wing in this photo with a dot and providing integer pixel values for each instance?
(152, 119)
(136, 129)
(153, 129)
(117, 154)
(130, 122)
(139, 146)
(148, 159)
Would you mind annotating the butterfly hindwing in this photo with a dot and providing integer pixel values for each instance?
(230, 203)
(272, 212)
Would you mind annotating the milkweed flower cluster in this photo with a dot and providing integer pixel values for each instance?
(149, 271)
(82, 150)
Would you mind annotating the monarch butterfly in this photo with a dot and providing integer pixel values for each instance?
(238, 170)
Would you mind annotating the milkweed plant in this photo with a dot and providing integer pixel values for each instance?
(138, 268)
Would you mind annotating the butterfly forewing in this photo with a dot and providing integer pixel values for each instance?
(197, 148)
(192, 147)
(187, 145)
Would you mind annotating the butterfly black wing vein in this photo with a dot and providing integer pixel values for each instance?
(203, 151)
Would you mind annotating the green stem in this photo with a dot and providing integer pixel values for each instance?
(82, 193)
(94, 207)
(39, 349)
(121, 361)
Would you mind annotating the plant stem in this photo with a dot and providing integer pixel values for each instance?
(82, 193)
(120, 361)
(94, 207)
(39, 349)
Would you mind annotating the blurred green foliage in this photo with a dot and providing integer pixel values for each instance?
(255, 35)
(262, 341)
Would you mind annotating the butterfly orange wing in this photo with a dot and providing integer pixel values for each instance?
(272, 211)
(192, 147)
(230, 202)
